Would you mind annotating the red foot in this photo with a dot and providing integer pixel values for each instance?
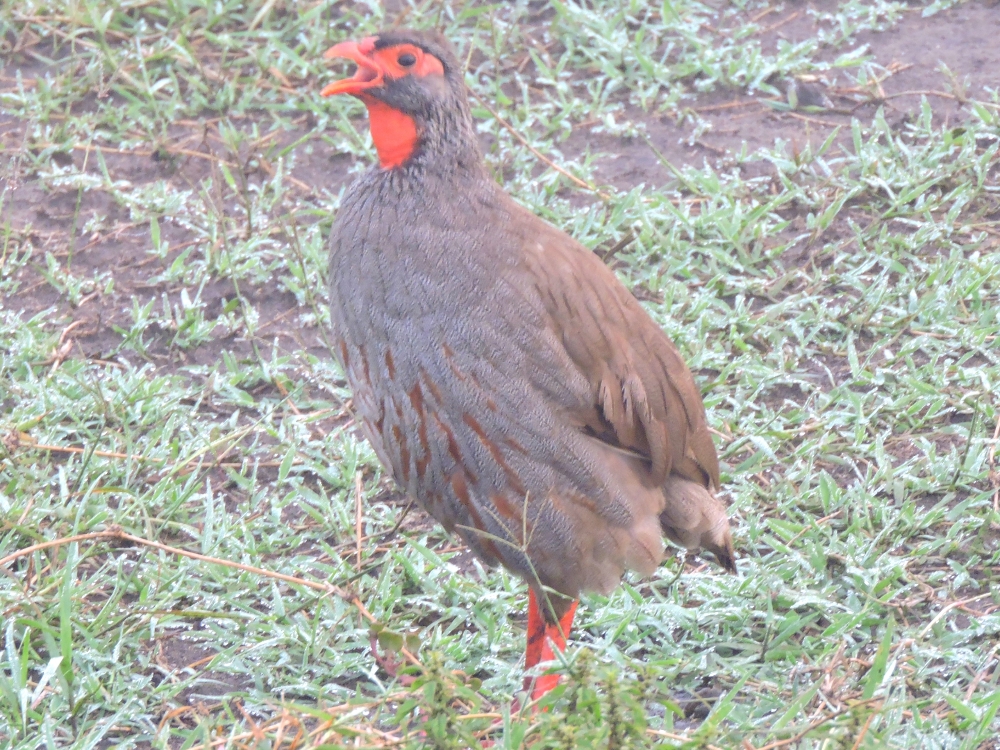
(542, 636)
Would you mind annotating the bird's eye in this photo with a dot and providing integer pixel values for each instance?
(407, 59)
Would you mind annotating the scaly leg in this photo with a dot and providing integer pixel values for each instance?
(541, 638)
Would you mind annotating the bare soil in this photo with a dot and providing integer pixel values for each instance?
(944, 57)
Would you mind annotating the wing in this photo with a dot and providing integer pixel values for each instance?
(642, 398)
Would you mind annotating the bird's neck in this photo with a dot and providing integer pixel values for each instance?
(446, 139)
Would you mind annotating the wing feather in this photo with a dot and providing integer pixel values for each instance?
(643, 397)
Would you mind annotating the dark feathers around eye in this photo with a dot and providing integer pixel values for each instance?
(406, 59)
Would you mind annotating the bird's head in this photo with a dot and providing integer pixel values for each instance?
(413, 88)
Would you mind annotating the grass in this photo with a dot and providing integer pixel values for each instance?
(166, 386)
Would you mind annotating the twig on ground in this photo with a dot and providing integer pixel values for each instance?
(945, 610)
(815, 120)
(815, 725)
(358, 496)
(24, 441)
(863, 732)
(727, 105)
(538, 154)
(118, 534)
(779, 24)
(994, 475)
(990, 658)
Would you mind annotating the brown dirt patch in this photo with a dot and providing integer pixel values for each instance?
(963, 39)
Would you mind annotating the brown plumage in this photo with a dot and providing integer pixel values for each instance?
(502, 373)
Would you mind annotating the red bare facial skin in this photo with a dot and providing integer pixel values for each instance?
(394, 132)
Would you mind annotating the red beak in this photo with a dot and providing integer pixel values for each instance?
(368, 75)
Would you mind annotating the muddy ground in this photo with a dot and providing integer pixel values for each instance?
(944, 57)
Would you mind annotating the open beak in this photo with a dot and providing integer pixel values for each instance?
(368, 75)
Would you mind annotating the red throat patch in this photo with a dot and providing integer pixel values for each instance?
(394, 133)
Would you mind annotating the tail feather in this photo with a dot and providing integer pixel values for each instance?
(694, 518)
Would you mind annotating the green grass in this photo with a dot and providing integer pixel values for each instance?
(841, 315)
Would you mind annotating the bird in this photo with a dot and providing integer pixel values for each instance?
(502, 373)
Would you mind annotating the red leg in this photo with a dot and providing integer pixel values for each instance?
(541, 638)
(536, 637)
